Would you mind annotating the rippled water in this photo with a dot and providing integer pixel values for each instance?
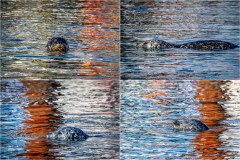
(31, 109)
(148, 109)
(178, 22)
(91, 28)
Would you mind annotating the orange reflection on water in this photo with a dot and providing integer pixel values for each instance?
(207, 143)
(38, 124)
(97, 69)
(100, 33)
(209, 93)
(159, 93)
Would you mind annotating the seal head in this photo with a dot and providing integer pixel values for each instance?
(57, 44)
(154, 45)
(68, 133)
(189, 125)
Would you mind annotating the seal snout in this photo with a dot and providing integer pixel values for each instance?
(154, 45)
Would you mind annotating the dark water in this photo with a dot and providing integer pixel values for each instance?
(148, 109)
(178, 22)
(31, 109)
(91, 28)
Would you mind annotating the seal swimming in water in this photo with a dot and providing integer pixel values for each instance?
(209, 45)
(57, 44)
(68, 133)
(189, 125)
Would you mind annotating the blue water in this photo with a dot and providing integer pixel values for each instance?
(31, 109)
(179, 22)
(148, 109)
(91, 30)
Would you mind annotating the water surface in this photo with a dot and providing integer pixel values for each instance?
(91, 28)
(32, 108)
(148, 109)
(179, 22)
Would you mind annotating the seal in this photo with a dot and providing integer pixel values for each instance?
(189, 125)
(209, 45)
(57, 44)
(68, 133)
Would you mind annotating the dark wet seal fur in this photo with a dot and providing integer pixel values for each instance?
(189, 125)
(57, 44)
(68, 133)
(209, 45)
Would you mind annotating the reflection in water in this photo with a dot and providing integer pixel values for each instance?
(231, 136)
(40, 106)
(179, 22)
(41, 117)
(101, 23)
(91, 28)
(209, 93)
(148, 109)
